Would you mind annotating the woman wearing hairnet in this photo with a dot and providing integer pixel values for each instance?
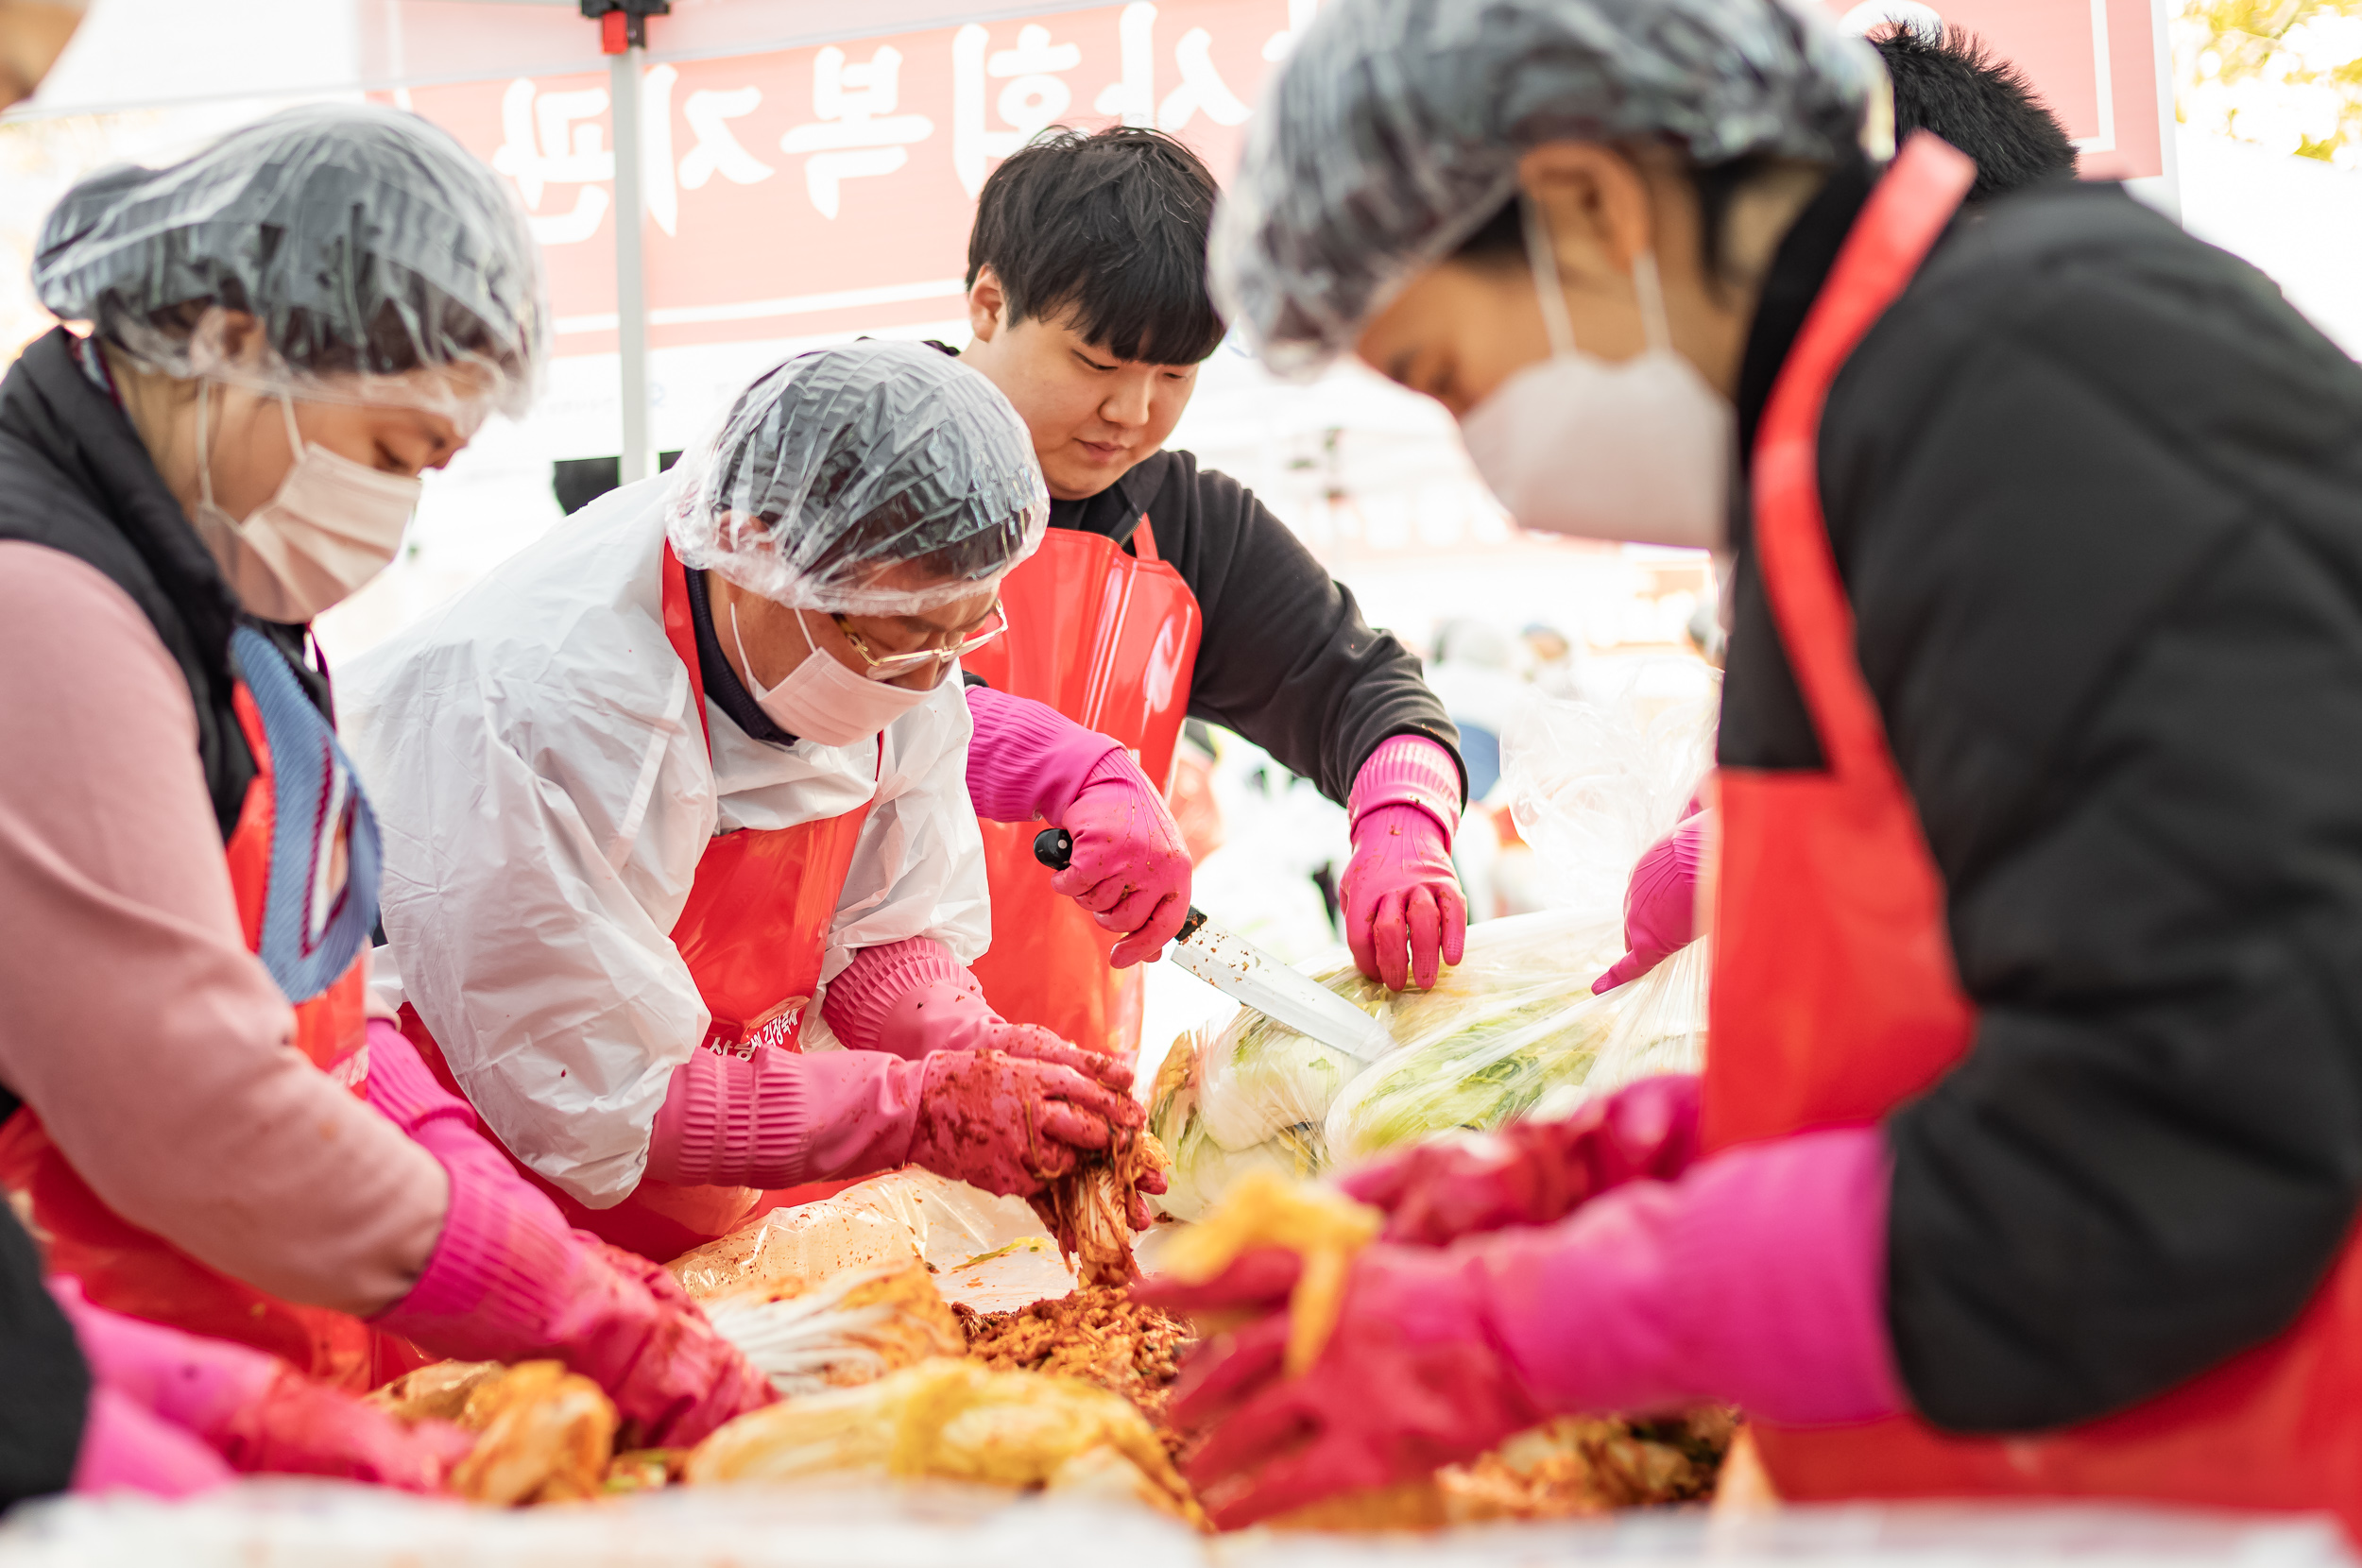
(658, 780)
(201, 1122)
(2027, 1154)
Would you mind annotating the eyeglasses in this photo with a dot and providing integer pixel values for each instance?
(894, 666)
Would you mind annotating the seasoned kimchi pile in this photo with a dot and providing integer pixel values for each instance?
(1097, 1335)
(1089, 1210)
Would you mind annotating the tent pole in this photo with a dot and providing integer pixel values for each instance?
(2169, 155)
(631, 285)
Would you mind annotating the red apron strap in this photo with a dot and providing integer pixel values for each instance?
(680, 629)
(1902, 220)
(1110, 640)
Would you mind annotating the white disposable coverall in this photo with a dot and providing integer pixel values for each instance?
(545, 791)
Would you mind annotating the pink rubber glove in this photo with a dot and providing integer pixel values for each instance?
(1660, 902)
(914, 999)
(128, 1448)
(1758, 1279)
(1404, 914)
(1131, 867)
(1533, 1172)
(1011, 1126)
(252, 1411)
(777, 1119)
(509, 1281)
(780, 1119)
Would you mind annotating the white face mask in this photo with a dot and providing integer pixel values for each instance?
(331, 525)
(1637, 448)
(821, 700)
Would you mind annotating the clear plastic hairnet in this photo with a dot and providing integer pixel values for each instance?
(367, 243)
(1396, 128)
(876, 478)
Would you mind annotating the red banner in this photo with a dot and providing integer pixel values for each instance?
(807, 192)
(2096, 63)
(810, 190)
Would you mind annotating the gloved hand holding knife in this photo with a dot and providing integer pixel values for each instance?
(1253, 978)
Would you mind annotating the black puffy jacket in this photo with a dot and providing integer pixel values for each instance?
(44, 1383)
(2097, 493)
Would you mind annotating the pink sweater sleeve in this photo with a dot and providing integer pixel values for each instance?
(153, 1045)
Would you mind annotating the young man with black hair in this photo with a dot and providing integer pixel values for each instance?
(1086, 293)
(1949, 82)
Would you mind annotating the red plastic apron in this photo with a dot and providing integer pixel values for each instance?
(1835, 996)
(1110, 640)
(138, 1272)
(753, 934)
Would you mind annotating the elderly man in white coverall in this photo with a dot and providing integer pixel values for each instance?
(693, 757)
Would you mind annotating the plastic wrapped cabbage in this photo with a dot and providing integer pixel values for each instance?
(1511, 1031)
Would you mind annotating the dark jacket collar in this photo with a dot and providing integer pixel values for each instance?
(1115, 512)
(722, 684)
(58, 418)
(1790, 285)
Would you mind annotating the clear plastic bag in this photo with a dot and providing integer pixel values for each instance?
(1514, 1020)
(1592, 785)
(1660, 1023)
(790, 1246)
(830, 1520)
(1514, 1030)
(1258, 1079)
(1511, 1032)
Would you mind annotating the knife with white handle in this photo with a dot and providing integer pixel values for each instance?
(1252, 977)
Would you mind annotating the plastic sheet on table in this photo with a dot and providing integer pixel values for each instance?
(327, 1525)
(287, 1523)
(1857, 1535)
(987, 1252)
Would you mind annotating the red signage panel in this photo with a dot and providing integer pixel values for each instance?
(806, 192)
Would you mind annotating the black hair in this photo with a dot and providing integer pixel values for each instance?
(1953, 85)
(1107, 230)
(1498, 239)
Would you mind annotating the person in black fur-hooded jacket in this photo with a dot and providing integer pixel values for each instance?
(2028, 1147)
